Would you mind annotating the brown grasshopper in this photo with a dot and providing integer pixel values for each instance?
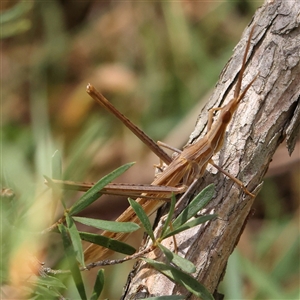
(187, 166)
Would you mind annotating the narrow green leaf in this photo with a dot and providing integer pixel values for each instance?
(98, 287)
(199, 202)
(46, 292)
(56, 191)
(108, 225)
(93, 193)
(76, 240)
(184, 264)
(15, 12)
(71, 258)
(190, 224)
(107, 243)
(170, 215)
(143, 218)
(178, 276)
(49, 281)
(56, 165)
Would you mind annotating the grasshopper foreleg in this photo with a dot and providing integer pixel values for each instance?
(211, 117)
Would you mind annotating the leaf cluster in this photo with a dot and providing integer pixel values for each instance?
(177, 269)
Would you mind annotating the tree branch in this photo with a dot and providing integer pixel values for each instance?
(268, 115)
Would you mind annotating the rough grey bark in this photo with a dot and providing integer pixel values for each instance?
(268, 115)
